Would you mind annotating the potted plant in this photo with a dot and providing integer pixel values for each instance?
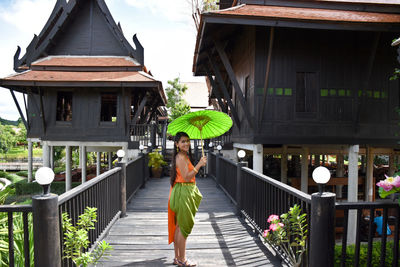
(156, 161)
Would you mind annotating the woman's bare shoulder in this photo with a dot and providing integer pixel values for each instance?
(180, 157)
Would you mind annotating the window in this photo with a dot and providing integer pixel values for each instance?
(108, 107)
(64, 106)
(306, 91)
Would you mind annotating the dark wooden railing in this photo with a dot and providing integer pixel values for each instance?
(103, 193)
(13, 213)
(365, 233)
(149, 133)
(136, 175)
(255, 195)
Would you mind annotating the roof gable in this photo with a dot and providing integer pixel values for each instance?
(79, 28)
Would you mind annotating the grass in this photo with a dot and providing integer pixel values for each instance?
(20, 152)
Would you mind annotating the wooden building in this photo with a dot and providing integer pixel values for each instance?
(305, 78)
(83, 83)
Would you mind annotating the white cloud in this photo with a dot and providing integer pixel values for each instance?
(173, 10)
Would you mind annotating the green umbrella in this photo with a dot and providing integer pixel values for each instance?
(203, 124)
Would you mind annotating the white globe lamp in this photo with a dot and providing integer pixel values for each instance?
(44, 176)
(321, 175)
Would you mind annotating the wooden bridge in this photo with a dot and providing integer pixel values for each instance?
(219, 237)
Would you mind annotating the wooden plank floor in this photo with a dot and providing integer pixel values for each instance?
(219, 237)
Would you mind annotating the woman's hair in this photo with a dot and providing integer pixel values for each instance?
(176, 139)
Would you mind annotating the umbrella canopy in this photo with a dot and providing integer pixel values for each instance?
(203, 124)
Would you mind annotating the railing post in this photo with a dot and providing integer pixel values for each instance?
(122, 188)
(322, 232)
(153, 133)
(239, 204)
(141, 154)
(217, 170)
(46, 230)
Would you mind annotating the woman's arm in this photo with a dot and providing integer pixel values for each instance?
(183, 167)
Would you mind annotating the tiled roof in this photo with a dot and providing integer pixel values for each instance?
(81, 76)
(89, 61)
(313, 14)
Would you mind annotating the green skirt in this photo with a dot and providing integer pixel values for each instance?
(185, 200)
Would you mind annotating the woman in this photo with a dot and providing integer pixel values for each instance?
(184, 198)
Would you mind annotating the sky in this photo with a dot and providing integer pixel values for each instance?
(165, 29)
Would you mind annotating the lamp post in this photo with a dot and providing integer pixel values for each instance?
(141, 147)
(46, 222)
(120, 154)
(211, 146)
(322, 236)
(241, 154)
(219, 148)
(149, 147)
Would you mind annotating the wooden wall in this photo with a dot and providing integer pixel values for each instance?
(85, 124)
(325, 86)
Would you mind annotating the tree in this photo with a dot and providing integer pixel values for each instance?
(176, 105)
(21, 135)
(7, 138)
(200, 6)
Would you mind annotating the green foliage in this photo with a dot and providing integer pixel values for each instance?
(18, 226)
(76, 239)
(289, 234)
(21, 135)
(156, 160)
(176, 105)
(8, 122)
(209, 5)
(24, 188)
(376, 254)
(395, 75)
(19, 152)
(7, 138)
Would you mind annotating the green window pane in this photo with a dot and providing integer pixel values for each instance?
(342, 92)
(288, 91)
(332, 92)
(279, 91)
(360, 92)
(348, 93)
(383, 95)
(270, 91)
(377, 94)
(324, 92)
(369, 93)
(260, 91)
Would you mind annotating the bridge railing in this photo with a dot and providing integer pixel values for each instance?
(9, 216)
(107, 192)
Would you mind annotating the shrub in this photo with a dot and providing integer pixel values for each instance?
(376, 254)
(24, 188)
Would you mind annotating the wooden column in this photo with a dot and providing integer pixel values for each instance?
(98, 164)
(369, 175)
(258, 154)
(392, 165)
(52, 157)
(80, 157)
(352, 192)
(84, 163)
(317, 160)
(68, 167)
(363, 164)
(284, 162)
(109, 160)
(30, 163)
(304, 169)
(339, 173)
(45, 155)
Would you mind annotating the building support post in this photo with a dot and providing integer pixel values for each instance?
(284, 162)
(322, 239)
(339, 173)
(45, 154)
(122, 188)
(304, 169)
(30, 161)
(46, 229)
(68, 167)
(352, 193)
(317, 160)
(84, 164)
(109, 160)
(80, 157)
(52, 157)
(98, 163)
(370, 175)
(217, 169)
(258, 155)
(392, 166)
(239, 204)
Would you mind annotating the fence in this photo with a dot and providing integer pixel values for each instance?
(14, 213)
(149, 133)
(257, 196)
(103, 192)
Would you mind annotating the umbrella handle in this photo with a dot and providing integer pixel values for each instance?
(202, 148)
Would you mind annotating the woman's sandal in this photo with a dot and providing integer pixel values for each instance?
(186, 263)
(175, 261)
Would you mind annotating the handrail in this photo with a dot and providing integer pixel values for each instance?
(303, 196)
(15, 208)
(79, 189)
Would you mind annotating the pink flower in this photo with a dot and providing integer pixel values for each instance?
(273, 227)
(266, 232)
(272, 218)
(387, 186)
(281, 224)
(396, 181)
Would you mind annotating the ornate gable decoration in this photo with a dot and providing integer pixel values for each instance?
(82, 28)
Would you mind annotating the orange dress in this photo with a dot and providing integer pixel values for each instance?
(171, 214)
